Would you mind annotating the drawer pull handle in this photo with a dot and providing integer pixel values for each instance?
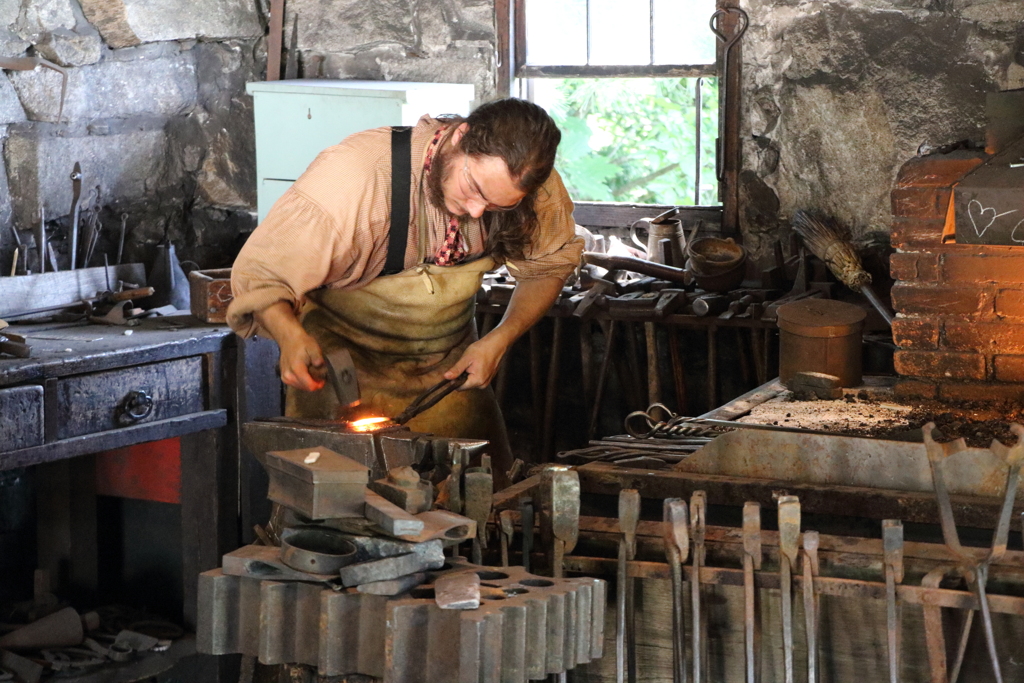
(137, 405)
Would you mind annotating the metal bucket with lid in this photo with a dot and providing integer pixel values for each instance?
(821, 335)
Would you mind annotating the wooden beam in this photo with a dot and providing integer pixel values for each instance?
(623, 214)
(843, 501)
(617, 71)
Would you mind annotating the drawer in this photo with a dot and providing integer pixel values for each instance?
(21, 417)
(118, 398)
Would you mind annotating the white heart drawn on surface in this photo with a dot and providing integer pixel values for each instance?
(983, 213)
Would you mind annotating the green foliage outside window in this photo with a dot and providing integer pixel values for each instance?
(633, 140)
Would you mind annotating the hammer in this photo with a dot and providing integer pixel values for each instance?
(341, 373)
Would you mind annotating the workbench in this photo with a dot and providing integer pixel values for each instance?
(91, 388)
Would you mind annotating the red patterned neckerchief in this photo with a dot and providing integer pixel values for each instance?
(453, 249)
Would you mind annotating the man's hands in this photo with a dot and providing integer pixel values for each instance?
(480, 360)
(530, 301)
(302, 361)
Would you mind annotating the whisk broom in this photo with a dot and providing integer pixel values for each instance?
(831, 243)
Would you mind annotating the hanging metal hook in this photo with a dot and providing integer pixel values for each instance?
(742, 22)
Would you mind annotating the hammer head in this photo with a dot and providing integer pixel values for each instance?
(341, 372)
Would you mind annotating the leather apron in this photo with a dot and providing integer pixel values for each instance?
(404, 331)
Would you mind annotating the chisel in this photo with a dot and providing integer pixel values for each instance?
(892, 552)
(751, 561)
(676, 534)
(698, 514)
(789, 548)
(629, 517)
(810, 564)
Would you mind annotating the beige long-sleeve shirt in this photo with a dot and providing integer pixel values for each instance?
(331, 228)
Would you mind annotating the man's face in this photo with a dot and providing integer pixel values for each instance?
(469, 186)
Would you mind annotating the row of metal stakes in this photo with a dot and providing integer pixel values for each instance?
(684, 526)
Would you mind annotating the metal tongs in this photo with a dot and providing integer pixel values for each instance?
(431, 397)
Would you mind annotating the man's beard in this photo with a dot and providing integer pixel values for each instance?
(439, 171)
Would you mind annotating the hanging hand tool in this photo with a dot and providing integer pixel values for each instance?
(526, 523)
(76, 197)
(789, 548)
(431, 397)
(508, 529)
(751, 562)
(810, 564)
(676, 535)
(560, 513)
(41, 240)
(698, 521)
(743, 21)
(30, 63)
(629, 517)
(120, 242)
(892, 548)
(974, 569)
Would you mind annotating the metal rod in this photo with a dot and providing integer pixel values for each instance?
(678, 373)
(698, 508)
(698, 106)
(653, 375)
(712, 367)
(548, 433)
(602, 377)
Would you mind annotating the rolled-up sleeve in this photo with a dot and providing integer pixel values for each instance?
(289, 254)
(556, 249)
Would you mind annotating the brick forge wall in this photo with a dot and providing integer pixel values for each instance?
(960, 331)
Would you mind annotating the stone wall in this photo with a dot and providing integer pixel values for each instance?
(838, 95)
(156, 110)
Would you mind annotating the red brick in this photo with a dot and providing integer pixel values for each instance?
(940, 364)
(928, 203)
(994, 337)
(912, 388)
(938, 170)
(926, 299)
(915, 333)
(914, 234)
(1009, 368)
(914, 266)
(1010, 303)
(989, 392)
(983, 268)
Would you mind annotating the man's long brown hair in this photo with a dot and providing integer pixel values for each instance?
(526, 138)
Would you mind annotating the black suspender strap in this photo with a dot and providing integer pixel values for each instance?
(401, 172)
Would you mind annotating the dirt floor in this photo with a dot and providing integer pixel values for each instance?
(874, 412)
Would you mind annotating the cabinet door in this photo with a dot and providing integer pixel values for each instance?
(292, 128)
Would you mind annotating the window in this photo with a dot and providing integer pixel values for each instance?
(633, 85)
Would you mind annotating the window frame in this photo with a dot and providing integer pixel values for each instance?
(510, 19)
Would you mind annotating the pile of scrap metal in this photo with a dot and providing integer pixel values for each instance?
(353, 577)
(60, 642)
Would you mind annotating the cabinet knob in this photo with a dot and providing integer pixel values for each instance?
(137, 405)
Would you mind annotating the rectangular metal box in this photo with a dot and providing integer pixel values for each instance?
(330, 487)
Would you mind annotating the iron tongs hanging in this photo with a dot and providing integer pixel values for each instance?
(431, 397)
